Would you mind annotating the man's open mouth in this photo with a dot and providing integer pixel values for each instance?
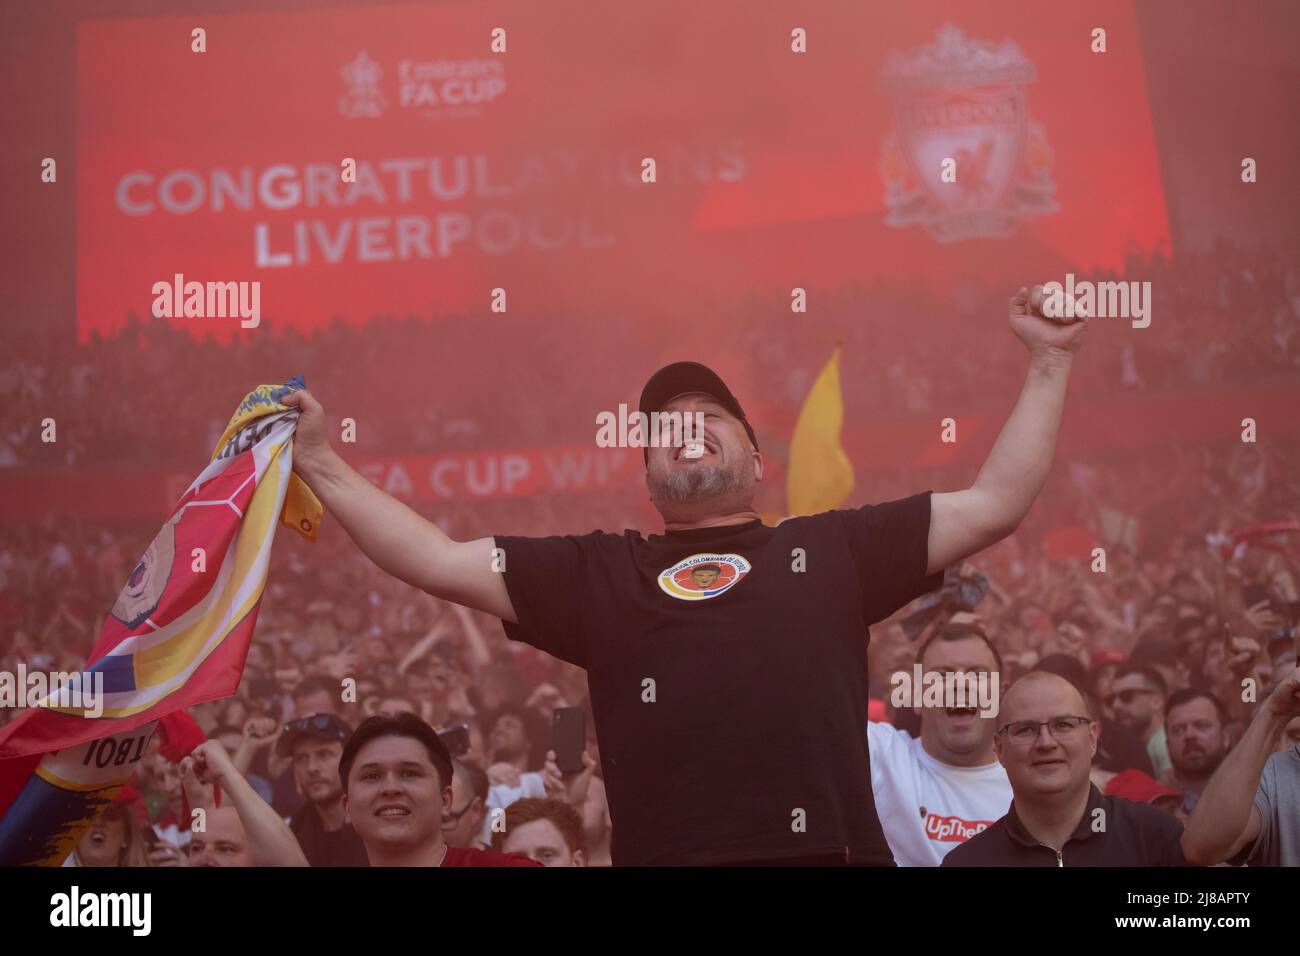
(960, 711)
(709, 449)
(393, 811)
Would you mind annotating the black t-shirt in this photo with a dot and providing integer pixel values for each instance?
(1111, 832)
(755, 640)
(341, 847)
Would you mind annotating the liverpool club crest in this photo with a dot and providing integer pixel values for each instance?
(963, 100)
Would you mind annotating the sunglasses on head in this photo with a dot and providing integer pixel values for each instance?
(316, 723)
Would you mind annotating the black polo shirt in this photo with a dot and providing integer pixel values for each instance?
(728, 675)
(1133, 834)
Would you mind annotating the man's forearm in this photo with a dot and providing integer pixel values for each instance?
(272, 841)
(244, 755)
(1222, 814)
(395, 537)
(482, 654)
(1017, 467)
(392, 535)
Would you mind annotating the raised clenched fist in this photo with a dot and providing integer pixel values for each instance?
(1044, 336)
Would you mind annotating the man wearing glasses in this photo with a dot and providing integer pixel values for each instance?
(1057, 817)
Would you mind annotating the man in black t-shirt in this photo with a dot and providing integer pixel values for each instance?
(314, 745)
(731, 708)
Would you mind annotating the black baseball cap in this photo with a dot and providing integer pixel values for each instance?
(322, 726)
(682, 377)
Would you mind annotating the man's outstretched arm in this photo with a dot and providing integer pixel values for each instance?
(1225, 819)
(395, 537)
(964, 522)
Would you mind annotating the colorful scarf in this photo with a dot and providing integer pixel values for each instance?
(177, 635)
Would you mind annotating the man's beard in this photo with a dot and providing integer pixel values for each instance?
(1201, 764)
(331, 797)
(700, 483)
(1134, 725)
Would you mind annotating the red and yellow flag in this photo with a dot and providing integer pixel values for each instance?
(177, 635)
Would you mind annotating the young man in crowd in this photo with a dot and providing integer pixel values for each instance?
(509, 742)
(935, 793)
(396, 775)
(314, 744)
(546, 831)
(1058, 817)
(501, 794)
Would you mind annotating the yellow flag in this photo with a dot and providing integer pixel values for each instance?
(820, 476)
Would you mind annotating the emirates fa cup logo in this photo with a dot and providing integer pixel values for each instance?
(363, 98)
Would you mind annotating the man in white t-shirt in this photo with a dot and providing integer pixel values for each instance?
(939, 791)
(516, 787)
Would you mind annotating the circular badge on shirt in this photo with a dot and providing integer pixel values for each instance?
(702, 576)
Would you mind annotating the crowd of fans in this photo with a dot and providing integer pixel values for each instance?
(1224, 318)
(1189, 604)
